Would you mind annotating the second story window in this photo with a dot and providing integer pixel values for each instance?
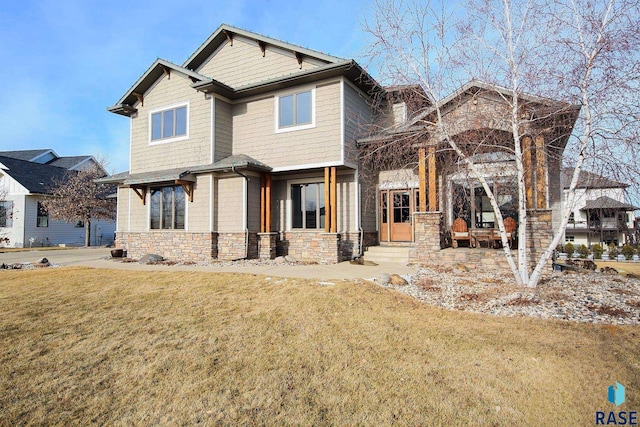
(295, 110)
(42, 220)
(169, 123)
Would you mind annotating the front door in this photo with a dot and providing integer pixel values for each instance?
(400, 217)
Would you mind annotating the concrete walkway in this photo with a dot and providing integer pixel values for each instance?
(99, 258)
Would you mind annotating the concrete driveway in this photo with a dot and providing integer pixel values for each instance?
(100, 258)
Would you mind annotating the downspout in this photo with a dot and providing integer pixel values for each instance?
(245, 221)
(359, 218)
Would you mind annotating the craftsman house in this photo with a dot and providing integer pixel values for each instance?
(253, 147)
(247, 149)
(600, 213)
(25, 179)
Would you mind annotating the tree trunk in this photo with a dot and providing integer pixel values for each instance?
(87, 232)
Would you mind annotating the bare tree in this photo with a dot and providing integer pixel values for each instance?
(580, 53)
(77, 197)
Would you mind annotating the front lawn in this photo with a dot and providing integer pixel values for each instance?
(87, 346)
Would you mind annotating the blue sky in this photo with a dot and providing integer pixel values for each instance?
(64, 61)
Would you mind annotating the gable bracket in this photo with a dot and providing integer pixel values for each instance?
(299, 58)
(141, 192)
(187, 186)
(167, 71)
(139, 97)
(229, 35)
(263, 47)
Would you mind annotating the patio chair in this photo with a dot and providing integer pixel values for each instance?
(459, 231)
(510, 227)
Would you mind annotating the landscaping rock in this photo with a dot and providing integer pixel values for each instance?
(280, 260)
(384, 279)
(397, 280)
(290, 259)
(608, 270)
(150, 258)
(42, 261)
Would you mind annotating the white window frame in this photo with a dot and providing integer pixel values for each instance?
(295, 127)
(289, 207)
(173, 138)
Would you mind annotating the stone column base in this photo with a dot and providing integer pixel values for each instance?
(267, 245)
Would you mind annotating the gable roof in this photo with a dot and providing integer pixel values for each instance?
(69, 162)
(333, 66)
(28, 155)
(125, 105)
(226, 32)
(35, 177)
(589, 180)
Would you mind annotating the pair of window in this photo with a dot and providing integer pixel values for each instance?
(169, 123)
(295, 110)
(6, 214)
(167, 208)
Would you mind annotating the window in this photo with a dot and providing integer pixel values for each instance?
(6, 214)
(308, 210)
(572, 218)
(79, 224)
(167, 208)
(42, 219)
(168, 124)
(569, 238)
(295, 111)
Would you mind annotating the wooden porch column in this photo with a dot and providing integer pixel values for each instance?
(327, 201)
(265, 202)
(263, 214)
(541, 173)
(527, 164)
(422, 173)
(334, 199)
(433, 200)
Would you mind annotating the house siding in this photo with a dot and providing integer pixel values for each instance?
(199, 210)
(230, 208)
(357, 117)
(196, 150)
(223, 130)
(242, 63)
(254, 132)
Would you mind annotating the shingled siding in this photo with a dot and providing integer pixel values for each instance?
(172, 245)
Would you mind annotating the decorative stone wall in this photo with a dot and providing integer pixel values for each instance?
(321, 247)
(232, 246)
(175, 245)
(428, 228)
(267, 245)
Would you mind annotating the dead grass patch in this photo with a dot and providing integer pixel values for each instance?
(523, 300)
(427, 284)
(608, 310)
(86, 346)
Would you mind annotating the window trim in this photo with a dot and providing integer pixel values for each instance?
(289, 219)
(294, 127)
(162, 109)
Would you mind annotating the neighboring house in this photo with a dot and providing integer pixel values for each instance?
(600, 213)
(250, 149)
(25, 179)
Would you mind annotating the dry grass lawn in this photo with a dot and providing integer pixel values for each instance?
(87, 346)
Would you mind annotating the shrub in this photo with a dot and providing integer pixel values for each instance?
(597, 250)
(613, 251)
(559, 248)
(583, 250)
(568, 249)
(627, 251)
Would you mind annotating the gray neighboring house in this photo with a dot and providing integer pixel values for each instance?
(25, 176)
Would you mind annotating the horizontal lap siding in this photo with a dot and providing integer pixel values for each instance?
(243, 64)
(199, 210)
(357, 119)
(139, 219)
(230, 204)
(123, 209)
(196, 150)
(254, 132)
(223, 130)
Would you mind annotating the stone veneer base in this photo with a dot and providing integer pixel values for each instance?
(182, 246)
